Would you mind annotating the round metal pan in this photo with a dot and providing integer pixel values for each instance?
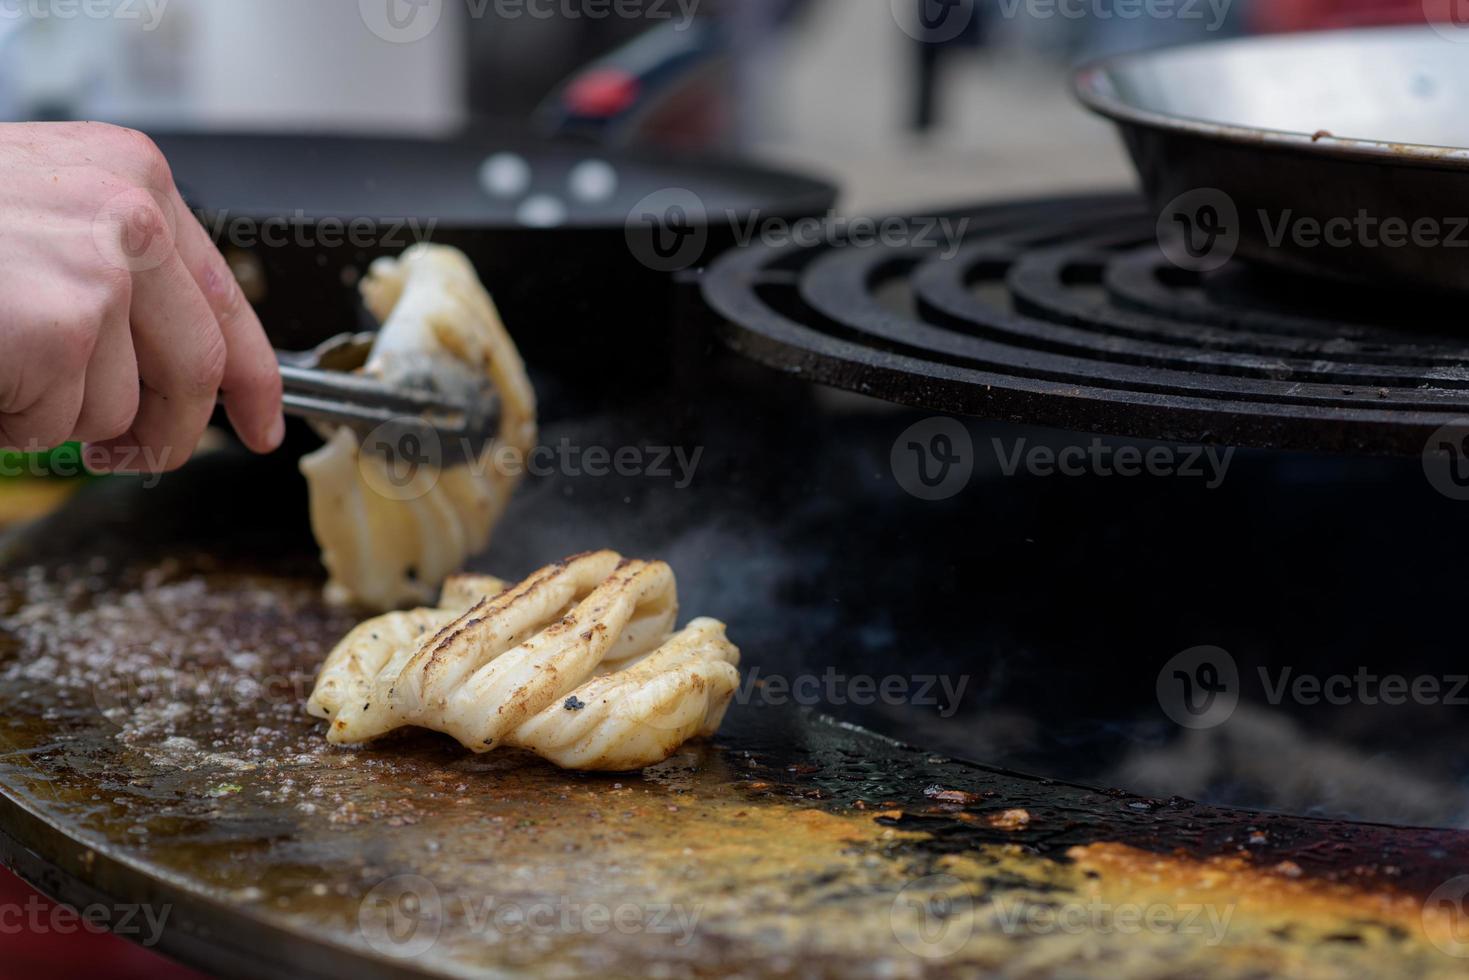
(578, 243)
(1340, 154)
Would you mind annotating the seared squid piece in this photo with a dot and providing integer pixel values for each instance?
(388, 541)
(350, 669)
(578, 663)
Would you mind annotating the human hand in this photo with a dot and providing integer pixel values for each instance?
(120, 323)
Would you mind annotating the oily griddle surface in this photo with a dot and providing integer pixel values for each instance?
(156, 648)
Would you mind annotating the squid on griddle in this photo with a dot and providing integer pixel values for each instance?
(578, 663)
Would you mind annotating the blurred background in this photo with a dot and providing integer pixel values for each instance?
(900, 101)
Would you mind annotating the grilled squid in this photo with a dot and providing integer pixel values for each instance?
(579, 663)
(386, 541)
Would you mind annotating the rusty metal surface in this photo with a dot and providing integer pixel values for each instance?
(153, 748)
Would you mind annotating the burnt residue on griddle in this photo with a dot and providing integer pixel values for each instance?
(157, 712)
(960, 805)
(190, 666)
(152, 683)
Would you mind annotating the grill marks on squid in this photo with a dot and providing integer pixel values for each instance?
(595, 630)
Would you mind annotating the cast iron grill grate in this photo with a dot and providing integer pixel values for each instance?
(1064, 312)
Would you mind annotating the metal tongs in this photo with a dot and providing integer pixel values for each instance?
(390, 420)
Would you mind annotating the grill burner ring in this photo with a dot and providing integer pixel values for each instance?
(1064, 312)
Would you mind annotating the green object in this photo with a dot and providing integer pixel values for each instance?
(62, 463)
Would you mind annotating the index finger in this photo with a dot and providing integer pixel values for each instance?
(251, 388)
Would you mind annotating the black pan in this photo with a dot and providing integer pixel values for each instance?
(578, 244)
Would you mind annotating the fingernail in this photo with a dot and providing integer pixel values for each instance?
(277, 433)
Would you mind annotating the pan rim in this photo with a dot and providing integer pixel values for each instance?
(1089, 88)
(779, 191)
